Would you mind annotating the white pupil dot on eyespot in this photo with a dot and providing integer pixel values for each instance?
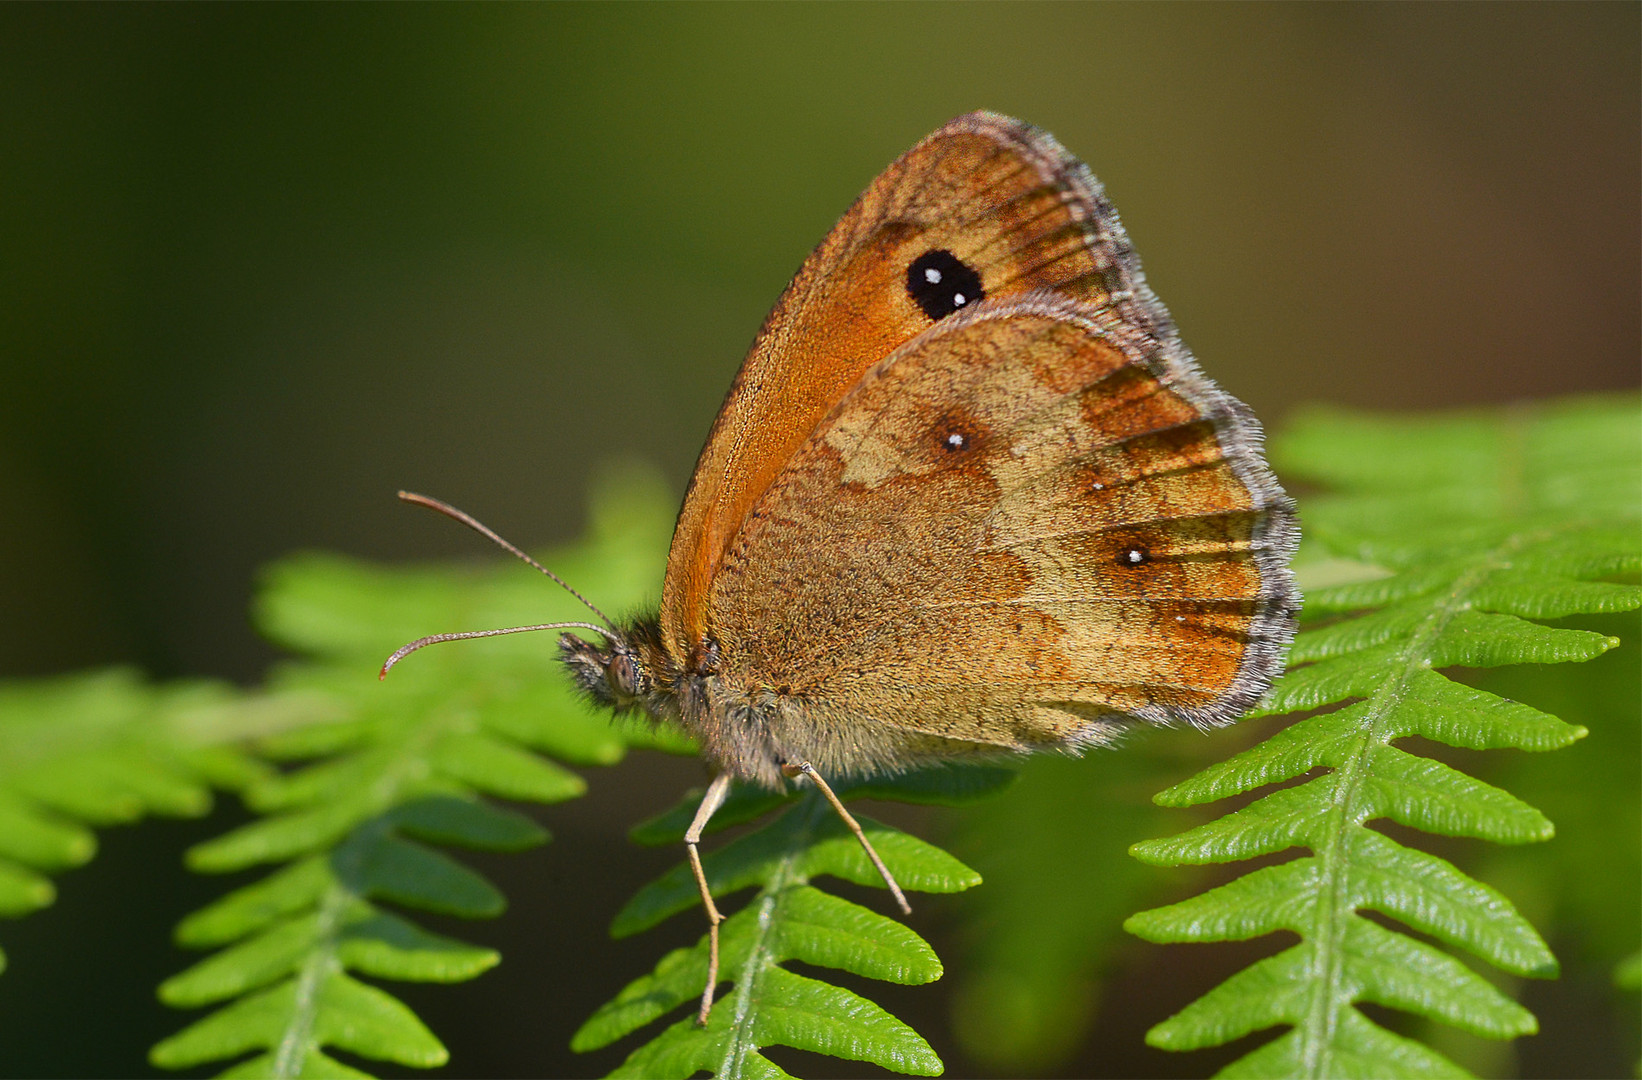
(932, 275)
(959, 300)
(955, 440)
(1099, 486)
(1135, 557)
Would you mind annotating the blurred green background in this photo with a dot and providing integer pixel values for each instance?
(263, 265)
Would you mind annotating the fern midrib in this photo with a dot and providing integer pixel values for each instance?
(298, 1037)
(759, 956)
(323, 961)
(1328, 929)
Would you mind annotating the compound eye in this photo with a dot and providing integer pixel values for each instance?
(624, 675)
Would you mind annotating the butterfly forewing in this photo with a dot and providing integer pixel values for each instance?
(985, 208)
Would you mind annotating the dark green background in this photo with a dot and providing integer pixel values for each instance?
(262, 265)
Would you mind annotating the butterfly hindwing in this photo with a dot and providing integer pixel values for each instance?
(1024, 526)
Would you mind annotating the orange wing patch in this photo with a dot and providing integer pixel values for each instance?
(985, 208)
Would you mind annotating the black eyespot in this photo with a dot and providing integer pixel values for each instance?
(941, 283)
(1133, 556)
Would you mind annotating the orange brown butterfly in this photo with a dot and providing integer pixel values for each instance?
(968, 495)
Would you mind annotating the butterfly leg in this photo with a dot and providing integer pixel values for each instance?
(806, 769)
(716, 792)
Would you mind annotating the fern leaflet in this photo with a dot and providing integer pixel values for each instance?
(1475, 526)
(107, 748)
(789, 919)
(402, 764)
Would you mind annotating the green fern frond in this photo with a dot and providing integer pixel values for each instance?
(294, 937)
(789, 919)
(107, 748)
(1486, 524)
(405, 763)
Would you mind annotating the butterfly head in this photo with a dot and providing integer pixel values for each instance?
(620, 672)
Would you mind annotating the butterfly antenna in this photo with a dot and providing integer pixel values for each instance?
(434, 639)
(490, 534)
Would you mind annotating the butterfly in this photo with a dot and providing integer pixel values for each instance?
(968, 495)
